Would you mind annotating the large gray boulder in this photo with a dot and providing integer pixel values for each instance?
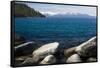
(44, 51)
(25, 48)
(75, 58)
(50, 59)
(88, 48)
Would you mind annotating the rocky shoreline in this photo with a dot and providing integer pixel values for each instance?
(29, 53)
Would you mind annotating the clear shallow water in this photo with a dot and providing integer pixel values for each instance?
(67, 31)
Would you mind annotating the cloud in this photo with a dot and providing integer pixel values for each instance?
(53, 9)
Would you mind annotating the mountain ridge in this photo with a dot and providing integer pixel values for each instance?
(23, 10)
(66, 15)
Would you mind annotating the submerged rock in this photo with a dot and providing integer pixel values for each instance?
(19, 40)
(91, 60)
(75, 58)
(44, 51)
(19, 60)
(88, 48)
(25, 48)
(50, 59)
(28, 61)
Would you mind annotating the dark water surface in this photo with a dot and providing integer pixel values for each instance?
(67, 31)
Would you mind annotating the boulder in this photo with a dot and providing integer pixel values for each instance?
(88, 48)
(91, 59)
(75, 58)
(19, 60)
(28, 61)
(50, 59)
(24, 60)
(25, 48)
(68, 52)
(44, 51)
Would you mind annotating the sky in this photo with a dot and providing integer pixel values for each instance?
(54, 9)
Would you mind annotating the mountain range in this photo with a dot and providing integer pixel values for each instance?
(50, 14)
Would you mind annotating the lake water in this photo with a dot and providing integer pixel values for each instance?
(67, 31)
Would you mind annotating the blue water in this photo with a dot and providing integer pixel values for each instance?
(67, 31)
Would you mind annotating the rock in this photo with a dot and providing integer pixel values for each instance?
(19, 40)
(25, 48)
(19, 60)
(88, 48)
(75, 58)
(50, 59)
(70, 51)
(28, 61)
(44, 51)
(91, 60)
(23, 60)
